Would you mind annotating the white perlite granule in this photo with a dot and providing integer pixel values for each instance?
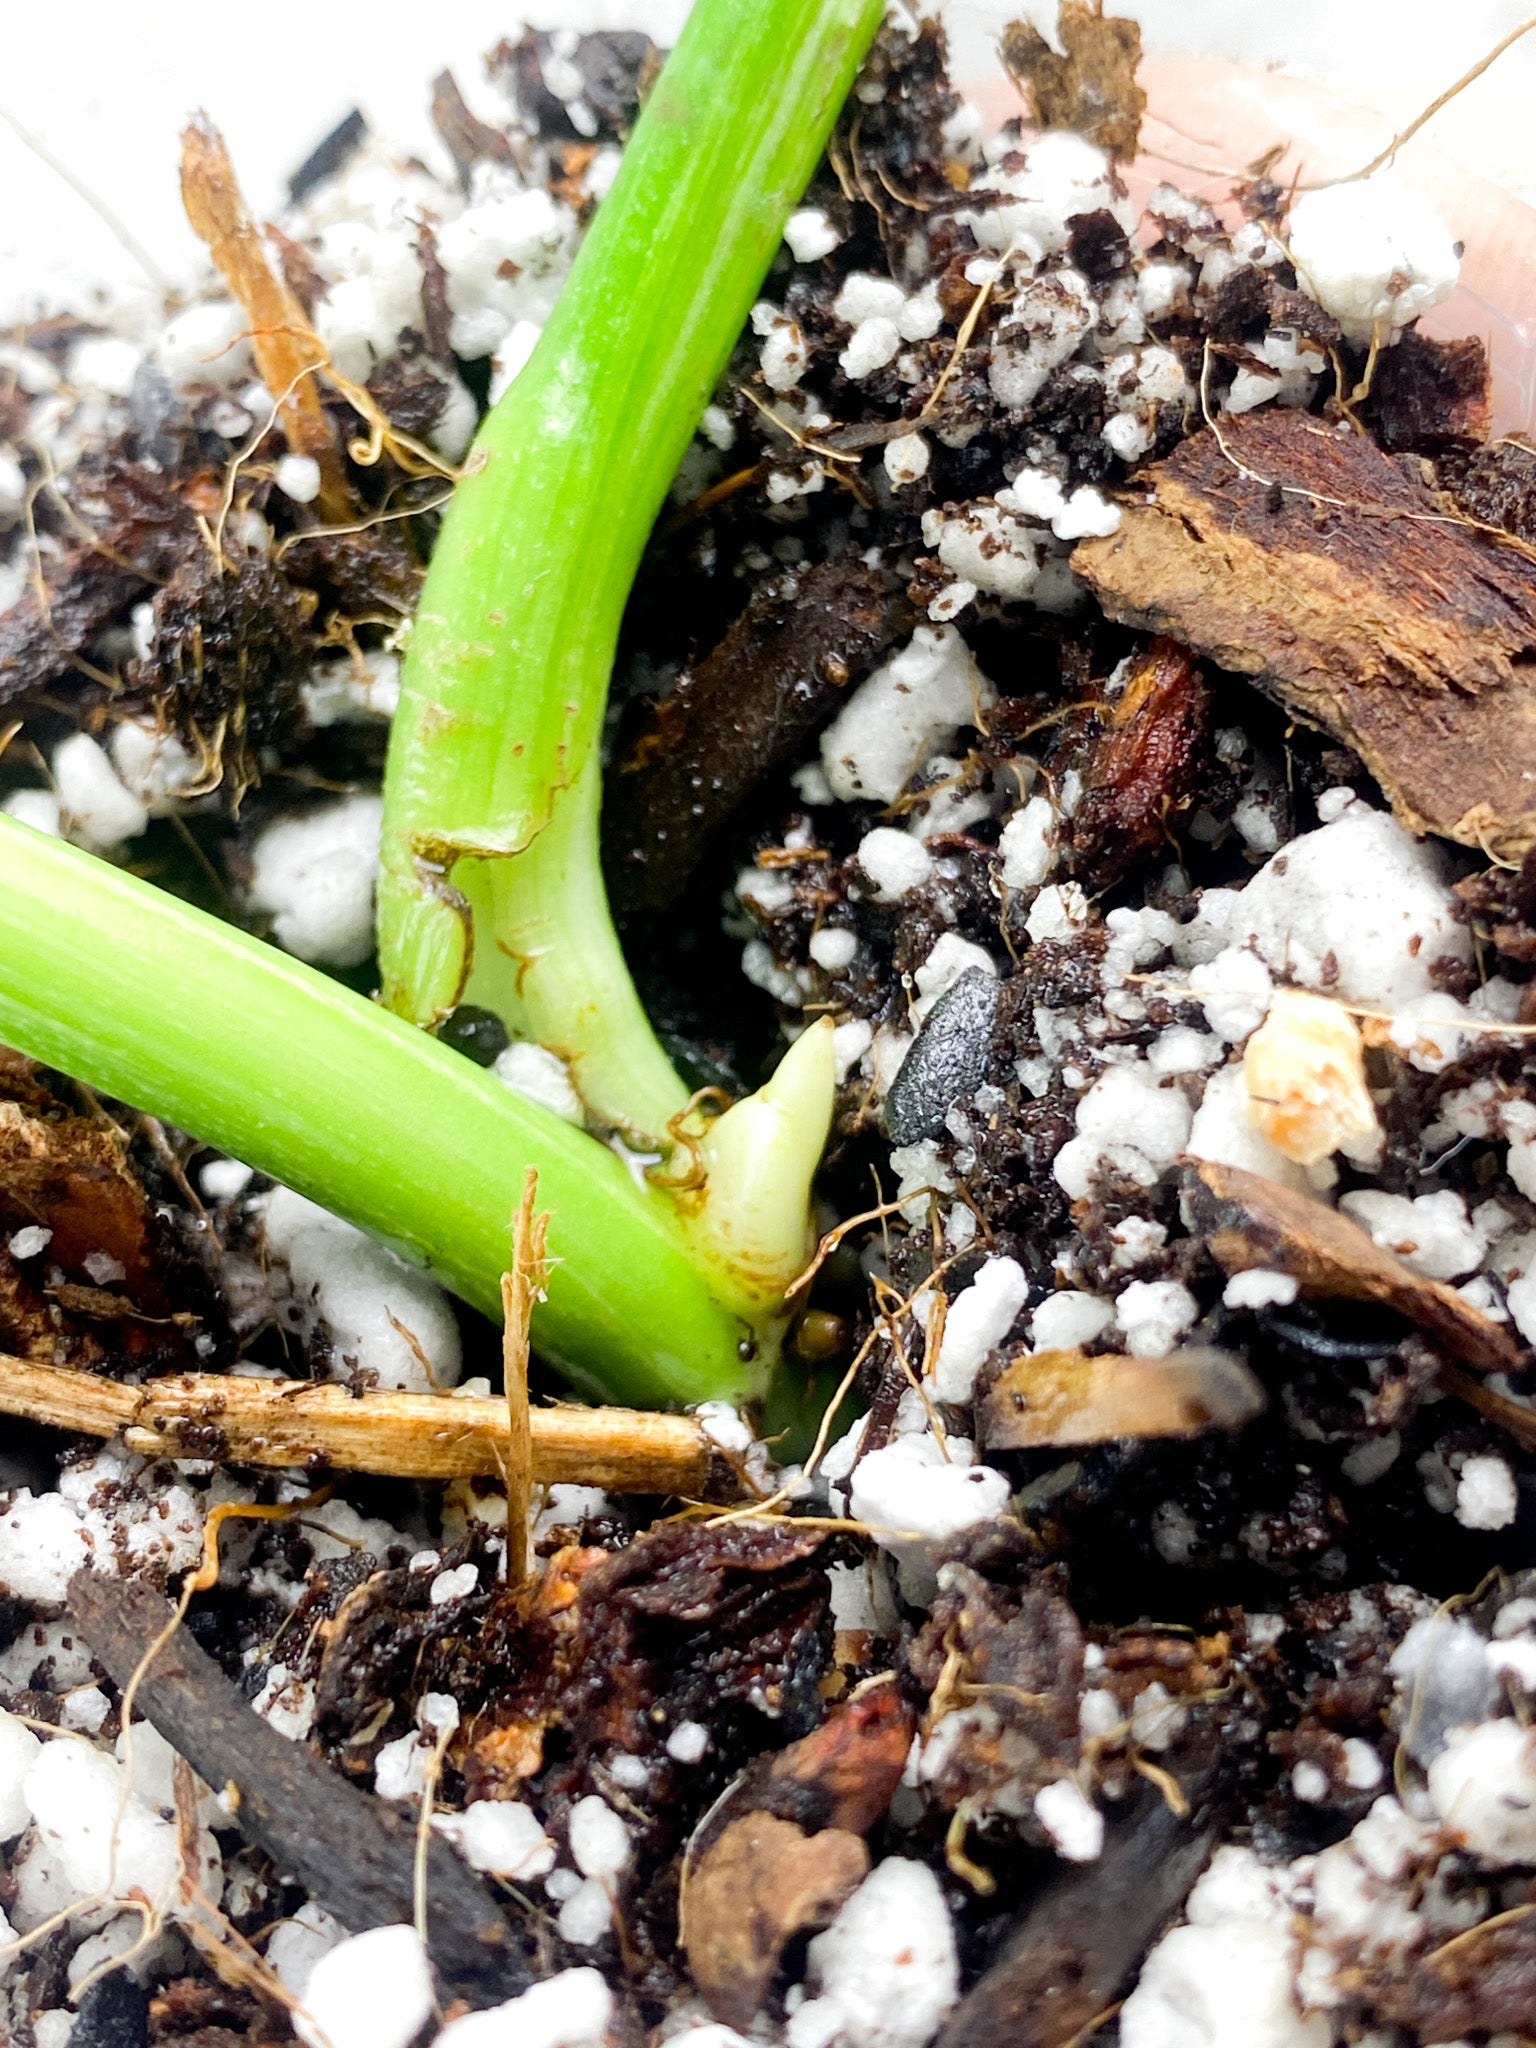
(314, 876)
(1074, 1824)
(810, 235)
(885, 1969)
(1260, 1288)
(894, 862)
(502, 1836)
(1483, 1787)
(541, 1076)
(978, 1319)
(296, 1945)
(1027, 845)
(19, 1749)
(373, 1990)
(1375, 942)
(688, 1743)
(906, 459)
(1069, 1319)
(1486, 1494)
(384, 1317)
(573, 2009)
(909, 708)
(599, 1838)
(587, 1914)
(1226, 1980)
(1373, 253)
(95, 809)
(1129, 1122)
(1153, 1315)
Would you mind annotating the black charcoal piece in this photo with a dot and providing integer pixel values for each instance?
(114, 2013)
(948, 1059)
(329, 155)
(479, 1034)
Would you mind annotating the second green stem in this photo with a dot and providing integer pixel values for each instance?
(490, 880)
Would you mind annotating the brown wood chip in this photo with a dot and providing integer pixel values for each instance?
(780, 671)
(1063, 1397)
(760, 1882)
(1092, 88)
(1250, 1221)
(1407, 635)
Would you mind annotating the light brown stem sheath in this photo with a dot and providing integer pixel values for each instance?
(401, 1436)
(283, 341)
(520, 1289)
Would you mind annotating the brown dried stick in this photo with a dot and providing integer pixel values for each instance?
(1081, 1935)
(403, 1436)
(520, 1289)
(356, 1854)
(286, 346)
(780, 671)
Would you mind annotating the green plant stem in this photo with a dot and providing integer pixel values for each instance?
(490, 865)
(549, 963)
(171, 1010)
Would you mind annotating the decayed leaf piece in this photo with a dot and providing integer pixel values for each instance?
(1304, 1069)
(95, 1284)
(1432, 394)
(1093, 87)
(699, 1619)
(1250, 1221)
(758, 1883)
(510, 1687)
(1063, 1397)
(1141, 772)
(1327, 572)
(782, 1849)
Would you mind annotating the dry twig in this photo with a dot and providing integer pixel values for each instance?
(520, 1289)
(401, 1436)
(357, 1854)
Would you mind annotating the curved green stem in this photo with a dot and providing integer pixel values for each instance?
(490, 798)
(548, 960)
(174, 1011)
